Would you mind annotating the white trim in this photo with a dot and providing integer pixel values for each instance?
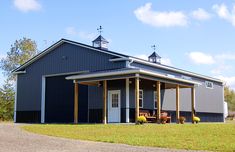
(43, 99)
(68, 73)
(119, 59)
(15, 104)
(141, 90)
(174, 69)
(58, 44)
(119, 102)
(154, 98)
(223, 103)
(19, 72)
(88, 100)
(127, 100)
(132, 71)
(206, 85)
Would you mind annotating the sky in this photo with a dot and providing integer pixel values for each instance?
(196, 35)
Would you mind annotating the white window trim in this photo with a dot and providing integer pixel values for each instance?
(154, 99)
(141, 90)
(209, 87)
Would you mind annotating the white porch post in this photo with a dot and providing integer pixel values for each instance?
(127, 100)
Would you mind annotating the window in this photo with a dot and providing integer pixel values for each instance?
(114, 100)
(141, 98)
(155, 100)
(209, 84)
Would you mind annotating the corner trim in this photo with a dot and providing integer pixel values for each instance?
(43, 99)
(15, 104)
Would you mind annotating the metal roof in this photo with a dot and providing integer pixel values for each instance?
(118, 55)
(154, 54)
(100, 38)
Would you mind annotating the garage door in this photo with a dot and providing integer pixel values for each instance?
(59, 101)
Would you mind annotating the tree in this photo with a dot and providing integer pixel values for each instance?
(229, 96)
(6, 101)
(21, 51)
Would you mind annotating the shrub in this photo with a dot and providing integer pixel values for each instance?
(196, 119)
(141, 120)
(182, 119)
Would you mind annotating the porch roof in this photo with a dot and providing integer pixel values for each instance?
(131, 72)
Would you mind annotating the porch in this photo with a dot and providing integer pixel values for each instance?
(137, 83)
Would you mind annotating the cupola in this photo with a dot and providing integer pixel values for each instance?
(100, 42)
(155, 58)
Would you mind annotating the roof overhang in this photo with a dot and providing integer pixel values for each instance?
(141, 61)
(136, 72)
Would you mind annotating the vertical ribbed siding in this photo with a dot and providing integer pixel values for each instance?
(67, 58)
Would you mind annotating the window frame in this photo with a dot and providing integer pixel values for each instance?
(142, 99)
(154, 99)
(207, 82)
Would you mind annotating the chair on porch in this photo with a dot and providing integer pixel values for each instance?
(165, 114)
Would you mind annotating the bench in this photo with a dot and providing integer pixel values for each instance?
(147, 115)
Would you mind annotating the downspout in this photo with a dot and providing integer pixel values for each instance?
(129, 62)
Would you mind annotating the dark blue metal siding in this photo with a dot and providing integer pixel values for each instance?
(96, 96)
(64, 59)
(148, 88)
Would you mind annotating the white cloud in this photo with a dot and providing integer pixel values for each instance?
(165, 61)
(221, 69)
(27, 5)
(230, 81)
(71, 31)
(160, 19)
(201, 14)
(201, 58)
(142, 56)
(83, 35)
(223, 12)
(225, 56)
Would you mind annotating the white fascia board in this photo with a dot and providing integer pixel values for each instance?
(119, 59)
(134, 71)
(19, 72)
(167, 77)
(175, 70)
(94, 75)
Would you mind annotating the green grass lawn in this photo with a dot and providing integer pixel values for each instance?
(214, 137)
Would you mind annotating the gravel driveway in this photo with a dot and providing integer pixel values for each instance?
(14, 139)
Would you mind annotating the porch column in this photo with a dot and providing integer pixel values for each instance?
(75, 101)
(104, 101)
(193, 102)
(158, 97)
(137, 83)
(177, 103)
(127, 100)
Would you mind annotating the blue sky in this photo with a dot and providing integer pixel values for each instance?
(198, 36)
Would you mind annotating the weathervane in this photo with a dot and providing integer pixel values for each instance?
(154, 47)
(100, 29)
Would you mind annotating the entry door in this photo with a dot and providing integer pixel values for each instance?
(114, 100)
